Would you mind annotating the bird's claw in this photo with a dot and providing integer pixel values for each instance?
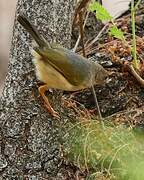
(52, 112)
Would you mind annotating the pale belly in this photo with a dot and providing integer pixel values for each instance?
(53, 78)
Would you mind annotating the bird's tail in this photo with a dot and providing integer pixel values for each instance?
(33, 32)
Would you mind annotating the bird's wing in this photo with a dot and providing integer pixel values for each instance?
(73, 67)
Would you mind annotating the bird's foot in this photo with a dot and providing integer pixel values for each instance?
(52, 111)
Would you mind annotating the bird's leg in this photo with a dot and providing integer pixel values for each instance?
(42, 90)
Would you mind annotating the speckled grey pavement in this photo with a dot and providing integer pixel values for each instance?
(29, 136)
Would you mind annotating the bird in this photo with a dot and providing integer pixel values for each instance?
(60, 68)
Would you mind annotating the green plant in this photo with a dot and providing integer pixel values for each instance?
(133, 10)
(113, 153)
(103, 15)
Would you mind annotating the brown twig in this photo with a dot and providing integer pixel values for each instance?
(79, 37)
(81, 6)
(81, 31)
(78, 18)
(135, 74)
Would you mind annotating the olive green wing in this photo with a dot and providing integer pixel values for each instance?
(73, 67)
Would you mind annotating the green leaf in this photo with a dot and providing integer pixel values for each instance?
(101, 13)
(117, 33)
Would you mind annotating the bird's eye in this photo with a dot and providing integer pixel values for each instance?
(106, 77)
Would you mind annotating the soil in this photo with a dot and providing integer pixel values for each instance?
(121, 98)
